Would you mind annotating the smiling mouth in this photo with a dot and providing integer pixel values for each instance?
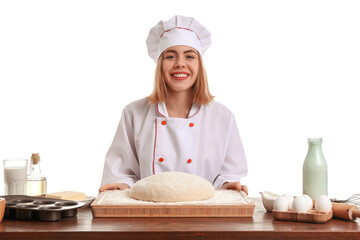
(180, 76)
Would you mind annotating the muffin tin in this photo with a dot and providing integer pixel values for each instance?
(23, 207)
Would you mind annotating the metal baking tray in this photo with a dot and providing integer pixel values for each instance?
(24, 207)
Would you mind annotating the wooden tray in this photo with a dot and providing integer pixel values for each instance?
(311, 216)
(236, 209)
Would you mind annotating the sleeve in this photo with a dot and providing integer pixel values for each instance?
(121, 163)
(235, 165)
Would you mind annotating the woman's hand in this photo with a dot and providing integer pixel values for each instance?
(114, 186)
(235, 186)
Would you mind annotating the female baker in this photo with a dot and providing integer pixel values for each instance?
(178, 127)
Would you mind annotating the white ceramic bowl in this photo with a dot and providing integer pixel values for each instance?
(268, 199)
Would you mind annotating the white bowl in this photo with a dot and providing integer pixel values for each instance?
(268, 199)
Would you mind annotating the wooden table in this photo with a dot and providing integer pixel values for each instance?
(261, 226)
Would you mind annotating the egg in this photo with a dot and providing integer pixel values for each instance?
(281, 204)
(290, 200)
(300, 205)
(323, 204)
(309, 201)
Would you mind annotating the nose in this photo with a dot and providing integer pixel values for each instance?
(180, 63)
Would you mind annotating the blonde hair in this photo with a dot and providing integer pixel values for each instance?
(201, 92)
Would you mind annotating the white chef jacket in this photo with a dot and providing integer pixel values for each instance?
(147, 142)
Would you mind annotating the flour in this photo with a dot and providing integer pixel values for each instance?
(221, 197)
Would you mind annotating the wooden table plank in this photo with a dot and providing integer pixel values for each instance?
(84, 226)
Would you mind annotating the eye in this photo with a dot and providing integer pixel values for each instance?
(170, 57)
(190, 56)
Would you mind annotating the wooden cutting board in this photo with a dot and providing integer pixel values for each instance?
(311, 216)
(225, 203)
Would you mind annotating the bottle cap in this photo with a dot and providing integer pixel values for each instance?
(35, 158)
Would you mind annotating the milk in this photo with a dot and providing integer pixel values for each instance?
(15, 180)
(315, 178)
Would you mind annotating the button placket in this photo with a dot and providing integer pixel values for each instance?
(191, 125)
(175, 151)
(159, 158)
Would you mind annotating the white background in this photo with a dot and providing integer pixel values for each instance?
(288, 70)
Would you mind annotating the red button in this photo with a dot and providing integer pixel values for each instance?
(161, 159)
(191, 124)
(163, 122)
(189, 161)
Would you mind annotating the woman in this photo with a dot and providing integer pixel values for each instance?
(178, 127)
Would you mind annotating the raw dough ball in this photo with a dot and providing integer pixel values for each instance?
(172, 187)
(281, 204)
(323, 204)
(300, 205)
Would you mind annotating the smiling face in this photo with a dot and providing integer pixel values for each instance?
(180, 67)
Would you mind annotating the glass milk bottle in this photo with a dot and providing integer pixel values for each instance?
(315, 179)
(36, 181)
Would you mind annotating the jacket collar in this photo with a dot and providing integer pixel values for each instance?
(161, 109)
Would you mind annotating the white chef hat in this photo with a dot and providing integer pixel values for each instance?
(179, 30)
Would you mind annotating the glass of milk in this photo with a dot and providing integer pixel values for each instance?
(15, 176)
